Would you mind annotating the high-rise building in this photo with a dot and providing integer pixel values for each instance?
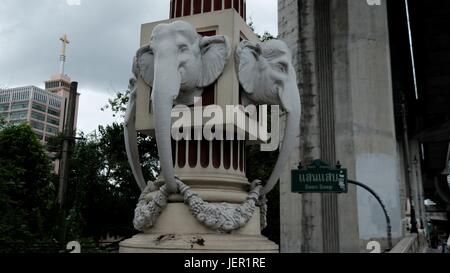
(45, 110)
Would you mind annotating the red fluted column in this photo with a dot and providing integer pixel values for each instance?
(180, 8)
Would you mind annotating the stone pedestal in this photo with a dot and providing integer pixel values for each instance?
(177, 231)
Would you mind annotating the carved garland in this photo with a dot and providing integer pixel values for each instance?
(222, 217)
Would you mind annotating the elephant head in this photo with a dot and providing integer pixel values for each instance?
(266, 73)
(177, 64)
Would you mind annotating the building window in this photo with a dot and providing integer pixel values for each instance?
(52, 130)
(4, 107)
(19, 115)
(22, 95)
(37, 125)
(51, 85)
(4, 98)
(39, 107)
(54, 102)
(54, 112)
(37, 116)
(38, 96)
(3, 116)
(19, 105)
(53, 121)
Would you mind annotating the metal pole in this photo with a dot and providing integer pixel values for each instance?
(69, 134)
(388, 218)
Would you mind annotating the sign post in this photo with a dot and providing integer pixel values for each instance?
(319, 177)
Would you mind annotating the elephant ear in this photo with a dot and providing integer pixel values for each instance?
(248, 56)
(215, 52)
(143, 65)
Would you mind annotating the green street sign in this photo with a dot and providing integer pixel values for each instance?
(319, 177)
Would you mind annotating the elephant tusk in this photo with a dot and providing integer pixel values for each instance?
(130, 135)
(291, 133)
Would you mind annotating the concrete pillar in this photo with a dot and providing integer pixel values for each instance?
(373, 118)
(343, 62)
(417, 183)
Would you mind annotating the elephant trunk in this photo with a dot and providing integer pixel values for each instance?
(292, 106)
(166, 87)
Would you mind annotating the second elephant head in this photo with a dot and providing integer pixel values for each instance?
(177, 63)
(267, 75)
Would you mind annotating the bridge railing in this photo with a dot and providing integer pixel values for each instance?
(413, 243)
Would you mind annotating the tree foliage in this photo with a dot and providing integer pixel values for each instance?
(265, 37)
(118, 104)
(27, 187)
(102, 192)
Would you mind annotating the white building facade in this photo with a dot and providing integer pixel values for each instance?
(41, 109)
(44, 110)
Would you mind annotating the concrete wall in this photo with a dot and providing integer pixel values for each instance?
(373, 117)
(364, 123)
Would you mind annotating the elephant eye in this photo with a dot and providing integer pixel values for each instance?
(182, 48)
(281, 67)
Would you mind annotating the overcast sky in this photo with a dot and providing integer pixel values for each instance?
(104, 36)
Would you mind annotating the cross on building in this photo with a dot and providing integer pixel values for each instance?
(65, 42)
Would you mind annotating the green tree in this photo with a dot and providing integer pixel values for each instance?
(265, 37)
(102, 193)
(118, 104)
(27, 187)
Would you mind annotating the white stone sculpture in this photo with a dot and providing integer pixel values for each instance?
(177, 64)
(148, 208)
(267, 75)
(222, 217)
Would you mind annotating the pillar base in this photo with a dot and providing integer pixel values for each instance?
(197, 243)
(177, 231)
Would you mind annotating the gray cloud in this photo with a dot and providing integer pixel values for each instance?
(104, 36)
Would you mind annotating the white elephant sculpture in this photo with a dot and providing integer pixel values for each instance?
(267, 75)
(176, 65)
